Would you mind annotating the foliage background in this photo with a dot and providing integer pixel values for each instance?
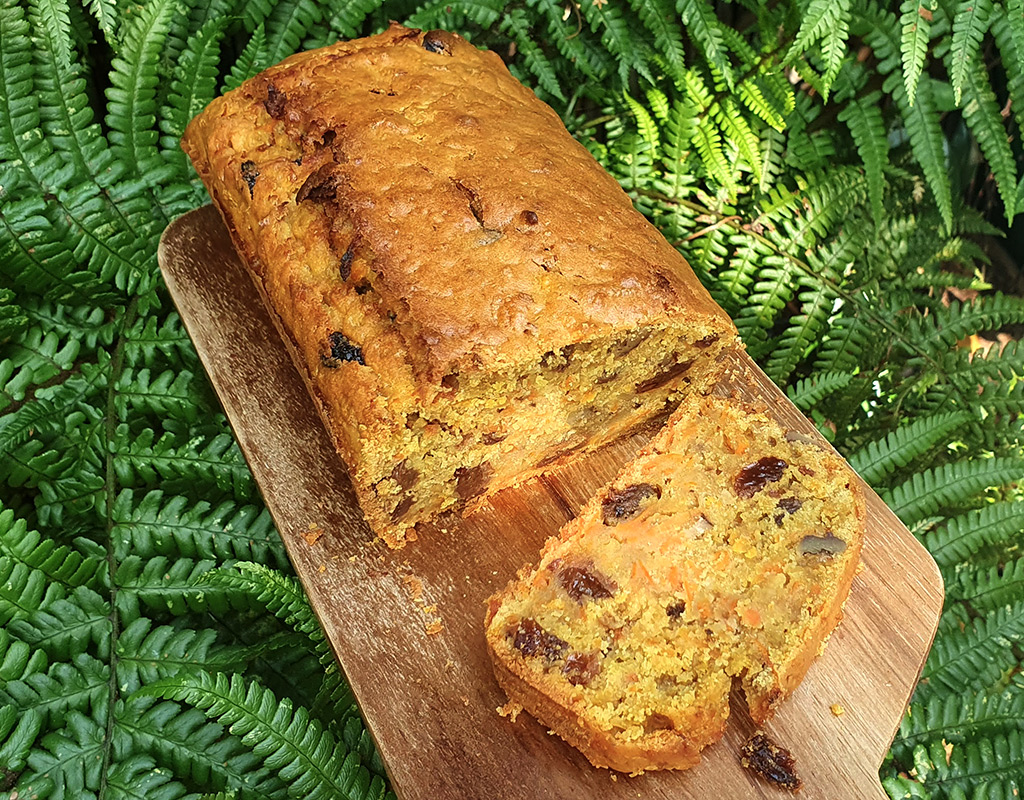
(835, 170)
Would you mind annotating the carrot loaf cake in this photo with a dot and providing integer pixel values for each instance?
(467, 293)
(724, 552)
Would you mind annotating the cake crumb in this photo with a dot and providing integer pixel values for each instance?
(312, 536)
(837, 710)
(322, 568)
(510, 710)
(434, 626)
(414, 586)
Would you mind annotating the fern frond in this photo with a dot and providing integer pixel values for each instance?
(808, 392)
(105, 13)
(989, 588)
(983, 116)
(863, 117)
(925, 493)
(659, 17)
(18, 732)
(879, 459)
(976, 657)
(959, 718)
(177, 527)
(608, 19)
(516, 24)
(646, 124)
(288, 740)
(700, 21)
(969, 27)
(137, 778)
(965, 536)
(134, 75)
(915, 21)
(996, 763)
(77, 623)
(79, 686)
(161, 585)
(287, 24)
(253, 58)
(202, 751)
(165, 395)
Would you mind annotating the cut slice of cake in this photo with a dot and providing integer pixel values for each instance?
(724, 552)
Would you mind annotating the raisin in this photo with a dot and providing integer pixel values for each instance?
(585, 582)
(823, 547)
(707, 341)
(581, 668)
(531, 639)
(676, 610)
(275, 101)
(773, 763)
(493, 438)
(658, 722)
(790, 505)
(754, 477)
(629, 344)
(438, 42)
(403, 506)
(249, 174)
(343, 350)
(622, 504)
(665, 376)
(530, 217)
(363, 288)
(320, 186)
(404, 475)
(472, 481)
(346, 264)
(450, 382)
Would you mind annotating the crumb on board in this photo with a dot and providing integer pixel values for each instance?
(837, 710)
(413, 585)
(510, 710)
(322, 568)
(433, 626)
(312, 536)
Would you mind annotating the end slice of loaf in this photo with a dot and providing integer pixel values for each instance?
(724, 552)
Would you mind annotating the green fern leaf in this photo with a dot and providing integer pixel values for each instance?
(75, 624)
(516, 24)
(863, 117)
(287, 24)
(160, 584)
(925, 493)
(658, 16)
(134, 75)
(964, 537)
(926, 139)
(18, 732)
(200, 751)
(66, 763)
(808, 392)
(819, 21)
(879, 459)
(648, 127)
(959, 718)
(699, 19)
(80, 686)
(616, 36)
(983, 116)
(969, 27)
(975, 658)
(989, 588)
(253, 59)
(306, 755)
(137, 778)
(915, 19)
(105, 13)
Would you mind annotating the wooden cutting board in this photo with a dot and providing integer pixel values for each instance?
(429, 698)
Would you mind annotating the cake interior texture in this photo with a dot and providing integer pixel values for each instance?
(721, 555)
(468, 295)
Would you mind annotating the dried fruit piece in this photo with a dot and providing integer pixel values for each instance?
(790, 505)
(345, 268)
(707, 341)
(582, 582)
(403, 506)
(438, 42)
(530, 639)
(342, 350)
(754, 477)
(676, 610)
(773, 763)
(471, 481)
(321, 185)
(404, 475)
(530, 217)
(622, 504)
(581, 668)
(824, 547)
(250, 173)
(275, 101)
(658, 722)
(665, 376)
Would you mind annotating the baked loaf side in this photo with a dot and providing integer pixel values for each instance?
(469, 296)
(724, 552)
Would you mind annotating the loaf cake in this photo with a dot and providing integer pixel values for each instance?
(723, 553)
(468, 295)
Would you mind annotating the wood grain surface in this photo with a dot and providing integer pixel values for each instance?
(430, 699)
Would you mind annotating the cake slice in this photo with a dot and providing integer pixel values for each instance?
(724, 552)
